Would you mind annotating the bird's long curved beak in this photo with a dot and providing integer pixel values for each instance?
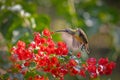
(67, 31)
(61, 30)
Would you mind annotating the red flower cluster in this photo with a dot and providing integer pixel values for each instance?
(43, 52)
(51, 57)
(104, 67)
(37, 77)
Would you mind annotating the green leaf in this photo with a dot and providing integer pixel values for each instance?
(56, 37)
(29, 74)
(9, 23)
(42, 21)
(98, 78)
(5, 76)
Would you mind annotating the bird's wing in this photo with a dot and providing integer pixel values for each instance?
(75, 43)
(83, 35)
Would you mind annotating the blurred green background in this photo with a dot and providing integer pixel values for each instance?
(100, 19)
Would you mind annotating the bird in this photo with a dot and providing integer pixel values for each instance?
(79, 38)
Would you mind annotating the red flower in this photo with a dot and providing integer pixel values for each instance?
(18, 66)
(65, 51)
(61, 51)
(112, 65)
(46, 32)
(91, 68)
(32, 45)
(78, 55)
(74, 71)
(37, 77)
(44, 62)
(82, 73)
(50, 51)
(50, 43)
(43, 40)
(93, 75)
(103, 61)
(61, 44)
(91, 61)
(109, 67)
(30, 78)
(100, 69)
(21, 44)
(54, 61)
(26, 63)
(40, 53)
(37, 38)
(72, 62)
(42, 48)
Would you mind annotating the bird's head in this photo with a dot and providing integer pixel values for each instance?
(69, 31)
